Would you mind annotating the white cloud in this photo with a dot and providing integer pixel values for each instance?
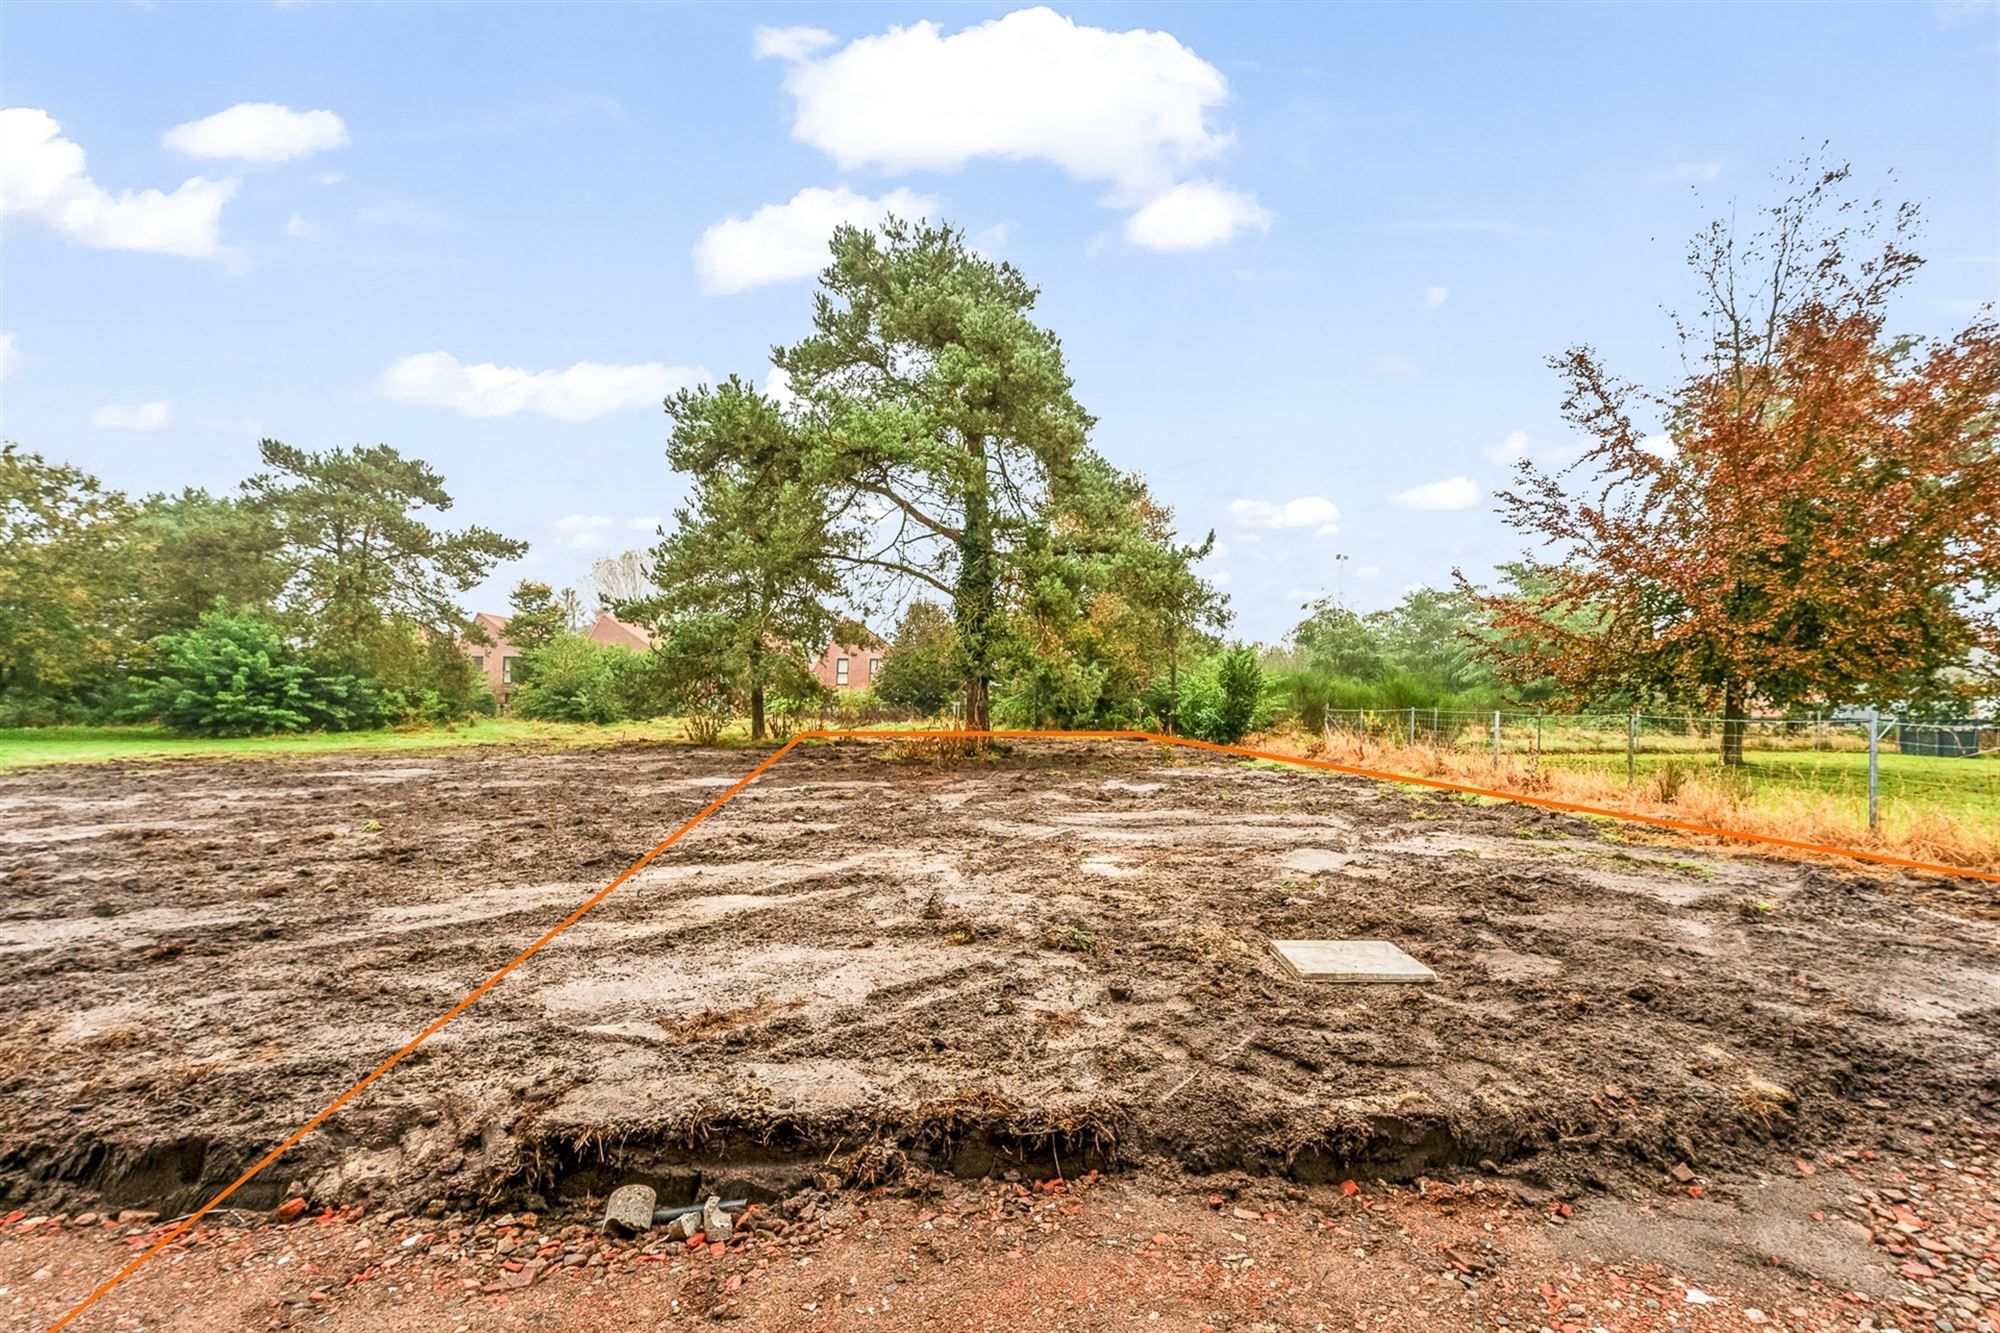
(1435, 297)
(782, 242)
(788, 43)
(329, 178)
(1130, 108)
(42, 174)
(10, 355)
(1512, 449)
(584, 530)
(1127, 109)
(1451, 493)
(258, 132)
(1690, 171)
(1660, 446)
(1194, 215)
(138, 416)
(298, 226)
(584, 391)
(778, 387)
(1390, 363)
(1308, 511)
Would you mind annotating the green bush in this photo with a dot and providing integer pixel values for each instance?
(570, 679)
(233, 674)
(1223, 699)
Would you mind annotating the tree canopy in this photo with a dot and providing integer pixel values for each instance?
(1822, 522)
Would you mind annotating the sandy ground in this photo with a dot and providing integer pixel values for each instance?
(872, 971)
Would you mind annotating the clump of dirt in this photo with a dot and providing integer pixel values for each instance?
(1051, 958)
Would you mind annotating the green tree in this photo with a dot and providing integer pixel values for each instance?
(938, 416)
(1102, 601)
(568, 678)
(233, 674)
(1436, 634)
(921, 672)
(67, 586)
(194, 549)
(355, 546)
(537, 617)
(1223, 702)
(1337, 642)
(752, 554)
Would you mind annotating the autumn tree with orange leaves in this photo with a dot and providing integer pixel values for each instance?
(1824, 526)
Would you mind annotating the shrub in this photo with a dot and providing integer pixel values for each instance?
(569, 679)
(1223, 701)
(233, 674)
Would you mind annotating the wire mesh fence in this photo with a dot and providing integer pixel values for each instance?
(1952, 766)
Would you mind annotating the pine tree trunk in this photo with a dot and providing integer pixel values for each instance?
(756, 712)
(1732, 725)
(976, 598)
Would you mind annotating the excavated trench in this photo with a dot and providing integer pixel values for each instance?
(1050, 961)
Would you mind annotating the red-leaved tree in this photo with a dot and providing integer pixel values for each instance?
(1820, 521)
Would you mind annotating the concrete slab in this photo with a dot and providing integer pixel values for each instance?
(1350, 961)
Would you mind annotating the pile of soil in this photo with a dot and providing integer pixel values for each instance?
(1056, 957)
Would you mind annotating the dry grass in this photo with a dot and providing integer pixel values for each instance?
(1694, 795)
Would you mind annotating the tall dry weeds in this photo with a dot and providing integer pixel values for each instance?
(1690, 794)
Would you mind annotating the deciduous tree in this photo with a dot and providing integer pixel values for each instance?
(1824, 524)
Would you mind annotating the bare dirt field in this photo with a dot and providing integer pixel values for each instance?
(868, 970)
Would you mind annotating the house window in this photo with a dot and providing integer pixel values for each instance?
(479, 661)
(874, 669)
(840, 671)
(507, 670)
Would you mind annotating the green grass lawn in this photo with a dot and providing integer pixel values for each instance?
(1965, 789)
(25, 747)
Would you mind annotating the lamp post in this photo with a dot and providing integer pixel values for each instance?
(1339, 583)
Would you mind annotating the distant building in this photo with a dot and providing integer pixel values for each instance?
(499, 659)
(620, 633)
(850, 666)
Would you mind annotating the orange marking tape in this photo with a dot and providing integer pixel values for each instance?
(1569, 807)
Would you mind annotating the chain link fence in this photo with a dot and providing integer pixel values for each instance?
(1951, 765)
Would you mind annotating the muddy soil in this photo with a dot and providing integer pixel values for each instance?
(1053, 959)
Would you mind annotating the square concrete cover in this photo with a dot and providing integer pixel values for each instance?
(1350, 960)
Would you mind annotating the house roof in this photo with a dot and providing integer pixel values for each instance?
(621, 633)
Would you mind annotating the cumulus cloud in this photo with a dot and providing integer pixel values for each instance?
(1451, 493)
(1130, 110)
(42, 175)
(297, 226)
(783, 242)
(10, 355)
(788, 43)
(1435, 297)
(138, 416)
(1193, 216)
(1660, 446)
(586, 390)
(258, 132)
(778, 387)
(1308, 511)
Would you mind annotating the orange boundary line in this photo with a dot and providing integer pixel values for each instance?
(473, 996)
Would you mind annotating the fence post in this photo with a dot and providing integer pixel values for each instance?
(1874, 768)
(1434, 725)
(1496, 735)
(1631, 749)
(1538, 737)
(1413, 724)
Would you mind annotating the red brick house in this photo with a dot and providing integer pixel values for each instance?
(850, 666)
(497, 658)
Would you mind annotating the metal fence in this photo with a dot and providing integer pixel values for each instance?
(1871, 755)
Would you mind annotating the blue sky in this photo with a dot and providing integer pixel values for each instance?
(1306, 261)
